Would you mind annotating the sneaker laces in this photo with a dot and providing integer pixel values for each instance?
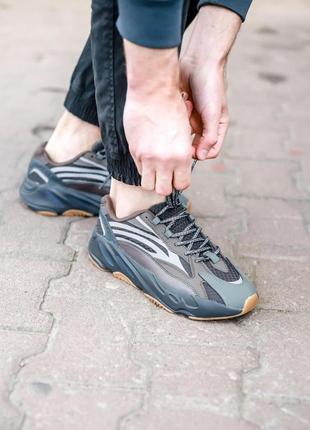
(182, 226)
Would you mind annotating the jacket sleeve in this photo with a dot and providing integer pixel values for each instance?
(241, 7)
(151, 23)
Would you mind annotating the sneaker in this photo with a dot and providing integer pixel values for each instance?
(71, 188)
(164, 253)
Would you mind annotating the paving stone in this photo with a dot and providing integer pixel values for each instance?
(162, 329)
(304, 176)
(90, 344)
(14, 346)
(270, 209)
(283, 372)
(270, 226)
(273, 239)
(200, 380)
(273, 179)
(23, 233)
(256, 144)
(286, 416)
(183, 418)
(73, 407)
(23, 284)
(283, 284)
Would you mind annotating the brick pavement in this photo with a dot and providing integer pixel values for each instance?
(79, 349)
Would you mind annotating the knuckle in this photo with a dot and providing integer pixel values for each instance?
(146, 156)
(182, 185)
(181, 156)
(163, 190)
(211, 141)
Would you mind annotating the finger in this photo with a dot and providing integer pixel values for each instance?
(215, 150)
(189, 107)
(182, 178)
(148, 177)
(195, 145)
(196, 122)
(210, 134)
(163, 184)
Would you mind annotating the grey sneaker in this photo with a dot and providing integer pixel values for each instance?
(72, 188)
(164, 253)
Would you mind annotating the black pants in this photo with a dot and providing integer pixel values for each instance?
(98, 86)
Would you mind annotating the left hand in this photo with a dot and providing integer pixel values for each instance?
(204, 54)
(209, 117)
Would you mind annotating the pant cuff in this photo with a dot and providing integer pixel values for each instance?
(83, 107)
(123, 169)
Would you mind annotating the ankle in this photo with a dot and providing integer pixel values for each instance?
(128, 199)
(71, 137)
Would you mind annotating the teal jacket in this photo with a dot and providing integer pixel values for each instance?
(158, 23)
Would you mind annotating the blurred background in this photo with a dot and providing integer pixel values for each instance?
(79, 350)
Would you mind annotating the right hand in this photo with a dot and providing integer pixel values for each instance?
(159, 136)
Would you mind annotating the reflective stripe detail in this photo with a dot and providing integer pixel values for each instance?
(130, 227)
(39, 173)
(144, 224)
(76, 169)
(82, 176)
(92, 163)
(239, 281)
(102, 226)
(151, 245)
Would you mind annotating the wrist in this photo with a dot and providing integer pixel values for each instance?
(151, 70)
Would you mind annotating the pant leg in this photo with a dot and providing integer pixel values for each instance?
(111, 85)
(80, 99)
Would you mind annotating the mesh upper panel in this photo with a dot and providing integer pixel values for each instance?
(230, 276)
(212, 294)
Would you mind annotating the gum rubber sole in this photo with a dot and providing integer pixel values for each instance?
(68, 212)
(249, 304)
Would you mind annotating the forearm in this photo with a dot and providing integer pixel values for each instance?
(212, 36)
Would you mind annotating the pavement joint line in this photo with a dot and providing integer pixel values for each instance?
(34, 257)
(275, 159)
(264, 197)
(147, 370)
(260, 308)
(24, 361)
(22, 330)
(242, 394)
(301, 259)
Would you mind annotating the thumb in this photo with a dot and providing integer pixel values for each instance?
(209, 136)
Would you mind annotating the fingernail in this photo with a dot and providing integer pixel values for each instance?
(203, 154)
